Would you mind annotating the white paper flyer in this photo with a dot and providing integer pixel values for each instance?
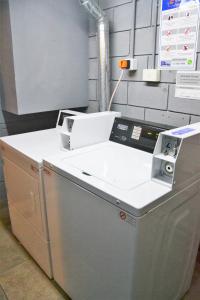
(188, 85)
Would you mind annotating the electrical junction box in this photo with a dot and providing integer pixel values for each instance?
(151, 75)
(42, 46)
(129, 64)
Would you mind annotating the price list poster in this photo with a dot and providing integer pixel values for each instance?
(179, 26)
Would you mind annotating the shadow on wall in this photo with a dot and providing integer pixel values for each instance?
(14, 124)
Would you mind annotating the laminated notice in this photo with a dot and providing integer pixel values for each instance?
(179, 25)
(188, 85)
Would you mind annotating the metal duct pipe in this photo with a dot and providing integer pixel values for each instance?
(93, 9)
(103, 42)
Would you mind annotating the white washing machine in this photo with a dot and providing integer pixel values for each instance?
(22, 162)
(124, 223)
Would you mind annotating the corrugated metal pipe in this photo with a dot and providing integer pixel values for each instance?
(103, 41)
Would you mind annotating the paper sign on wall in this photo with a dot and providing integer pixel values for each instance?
(179, 27)
(188, 85)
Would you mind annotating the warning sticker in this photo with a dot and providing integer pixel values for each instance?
(123, 215)
(127, 218)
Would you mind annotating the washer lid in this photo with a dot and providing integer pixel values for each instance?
(122, 167)
(116, 173)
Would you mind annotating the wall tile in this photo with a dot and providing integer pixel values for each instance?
(111, 3)
(123, 17)
(143, 13)
(135, 112)
(198, 61)
(143, 41)
(159, 10)
(92, 89)
(198, 46)
(2, 120)
(195, 119)
(120, 108)
(110, 15)
(148, 95)
(182, 105)
(3, 130)
(93, 107)
(129, 111)
(158, 39)
(121, 96)
(166, 117)
(93, 69)
(168, 76)
(93, 51)
(119, 43)
(92, 27)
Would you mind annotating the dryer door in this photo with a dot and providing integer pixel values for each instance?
(24, 193)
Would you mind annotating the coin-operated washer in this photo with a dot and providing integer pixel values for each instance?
(124, 223)
(22, 163)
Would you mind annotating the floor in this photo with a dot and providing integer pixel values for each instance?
(22, 279)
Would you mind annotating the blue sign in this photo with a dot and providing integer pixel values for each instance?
(183, 131)
(165, 63)
(171, 4)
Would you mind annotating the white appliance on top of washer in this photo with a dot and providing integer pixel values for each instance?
(22, 163)
(124, 223)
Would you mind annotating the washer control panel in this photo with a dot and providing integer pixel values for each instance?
(136, 134)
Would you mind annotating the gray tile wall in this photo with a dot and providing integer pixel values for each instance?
(153, 102)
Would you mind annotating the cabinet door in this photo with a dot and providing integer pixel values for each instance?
(23, 193)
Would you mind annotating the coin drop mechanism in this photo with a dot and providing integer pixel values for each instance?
(172, 155)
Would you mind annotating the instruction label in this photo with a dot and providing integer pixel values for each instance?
(183, 131)
(179, 27)
(188, 85)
